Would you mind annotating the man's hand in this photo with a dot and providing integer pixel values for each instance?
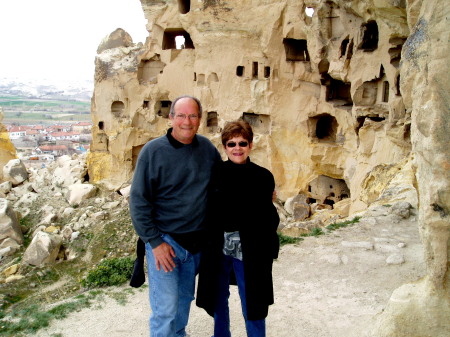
(164, 255)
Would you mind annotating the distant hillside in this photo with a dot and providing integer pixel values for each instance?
(47, 89)
(43, 101)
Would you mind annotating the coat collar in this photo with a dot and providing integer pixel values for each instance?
(175, 143)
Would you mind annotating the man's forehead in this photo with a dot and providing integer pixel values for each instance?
(186, 102)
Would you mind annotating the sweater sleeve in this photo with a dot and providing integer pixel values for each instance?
(141, 205)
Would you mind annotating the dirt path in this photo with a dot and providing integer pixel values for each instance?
(330, 286)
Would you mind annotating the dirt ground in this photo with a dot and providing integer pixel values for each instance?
(334, 285)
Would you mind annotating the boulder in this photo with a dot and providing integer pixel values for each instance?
(77, 193)
(43, 249)
(9, 224)
(69, 170)
(15, 172)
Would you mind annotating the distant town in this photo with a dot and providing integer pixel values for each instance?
(43, 143)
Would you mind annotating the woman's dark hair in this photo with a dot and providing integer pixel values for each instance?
(236, 129)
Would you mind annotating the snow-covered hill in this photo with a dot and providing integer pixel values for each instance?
(48, 89)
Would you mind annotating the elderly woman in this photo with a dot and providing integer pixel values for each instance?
(243, 240)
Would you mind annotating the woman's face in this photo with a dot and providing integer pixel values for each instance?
(238, 153)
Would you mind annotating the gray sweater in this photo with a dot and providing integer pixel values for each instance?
(169, 189)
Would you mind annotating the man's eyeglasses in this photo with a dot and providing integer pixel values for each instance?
(241, 144)
(183, 117)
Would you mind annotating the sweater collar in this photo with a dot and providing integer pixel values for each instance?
(176, 144)
(246, 164)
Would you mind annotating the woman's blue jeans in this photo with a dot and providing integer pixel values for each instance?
(222, 313)
(171, 293)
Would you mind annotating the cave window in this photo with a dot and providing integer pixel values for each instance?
(369, 32)
(172, 36)
(117, 108)
(184, 6)
(240, 71)
(320, 191)
(101, 125)
(397, 86)
(324, 128)
(329, 202)
(407, 132)
(260, 123)
(360, 123)
(344, 46)
(266, 72)
(179, 42)
(213, 78)
(396, 51)
(212, 121)
(350, 50)
(385, 91)
(255, 70)
(163, 108)
(338, 90)
(201, 79)
(145, 104)
(376, 118)
(195, 76)
(149, 70)
(296, 50)
(309, 11)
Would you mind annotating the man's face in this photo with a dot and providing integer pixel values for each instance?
(186, 121)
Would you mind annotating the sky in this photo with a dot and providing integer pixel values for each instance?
(58, 39)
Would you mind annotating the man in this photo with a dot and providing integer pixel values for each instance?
(168, 208)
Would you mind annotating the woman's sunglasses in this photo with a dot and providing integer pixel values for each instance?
(241, 144)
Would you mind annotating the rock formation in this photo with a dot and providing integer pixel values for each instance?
(7, 149)
(423, 308)
(335, 98)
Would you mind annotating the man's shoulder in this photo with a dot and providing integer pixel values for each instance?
(155, 145)
(205, 143)
(203, 139)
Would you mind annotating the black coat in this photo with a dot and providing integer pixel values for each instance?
(241, 199)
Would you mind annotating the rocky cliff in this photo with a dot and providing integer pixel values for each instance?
(348, 100)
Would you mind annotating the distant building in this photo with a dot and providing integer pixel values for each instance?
(82, 127)
(56, 150)
(16, 132)
(63, 136)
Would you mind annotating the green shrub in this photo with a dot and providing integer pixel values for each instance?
(285, 240)
(343, 224)
(316, 231)
(109, 272)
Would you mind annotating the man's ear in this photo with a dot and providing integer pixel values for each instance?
(250, 146)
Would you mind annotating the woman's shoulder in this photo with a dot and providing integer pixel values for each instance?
(260, 169)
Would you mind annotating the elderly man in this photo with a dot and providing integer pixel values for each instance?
(168, 208)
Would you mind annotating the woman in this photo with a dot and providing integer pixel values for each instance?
(243, 240)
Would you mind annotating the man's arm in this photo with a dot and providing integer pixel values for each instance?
(141, 211)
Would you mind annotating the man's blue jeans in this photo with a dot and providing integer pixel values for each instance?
(171, 293)
(222, 312)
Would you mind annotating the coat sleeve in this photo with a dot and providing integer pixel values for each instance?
(141, 205)
(274, 222)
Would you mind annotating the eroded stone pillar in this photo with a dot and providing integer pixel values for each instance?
(423, 308)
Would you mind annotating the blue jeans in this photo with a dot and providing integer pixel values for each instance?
(171, 293)
(222, 313)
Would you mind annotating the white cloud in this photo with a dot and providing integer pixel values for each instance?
(59, 38)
